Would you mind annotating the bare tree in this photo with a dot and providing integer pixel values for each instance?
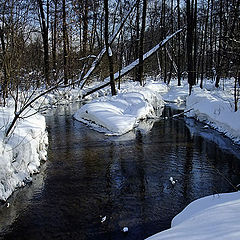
(44, 32)
(204, 44)
(65, 54)
(190, 31)
(141, 43)
(109, 50)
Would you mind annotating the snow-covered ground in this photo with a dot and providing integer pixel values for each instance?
(214, 217)
(121, 113)
(216, 110)
(22, 151)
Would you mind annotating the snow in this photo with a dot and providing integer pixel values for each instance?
(120, 114)
(22, 151)
(215, 110)
(176, 94)
(214, 217)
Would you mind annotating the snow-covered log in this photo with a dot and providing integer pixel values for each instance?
(135, 63)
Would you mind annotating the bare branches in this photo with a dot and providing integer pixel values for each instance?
(135, 63)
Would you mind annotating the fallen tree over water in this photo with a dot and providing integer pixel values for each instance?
(135, 63)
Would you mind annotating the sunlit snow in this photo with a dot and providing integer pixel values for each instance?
(120, 114)
(22, 151)
(215, 217)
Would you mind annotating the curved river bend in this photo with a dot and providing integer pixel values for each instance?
(89, 176)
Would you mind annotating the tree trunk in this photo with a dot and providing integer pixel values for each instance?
(44, 31)
(109, 50)
(5, 82)
(204, 45)
(85, 28)
(137, 38)
(141, 43)
(54, 42)
(179, 47)
(236, 93)
(218, 68)
(163, 24)
(65, 56)
(172, 47)
(190, 28)
(195, 41)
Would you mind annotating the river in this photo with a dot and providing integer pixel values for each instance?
(93, 185)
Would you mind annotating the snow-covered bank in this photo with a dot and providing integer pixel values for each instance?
(176, 94)
(214, 217)
(120, 114)
(22, 151)
(216, 111)
(211, 105)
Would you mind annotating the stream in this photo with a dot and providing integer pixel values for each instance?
(92, 185)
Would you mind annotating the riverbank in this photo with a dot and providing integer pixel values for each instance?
(215, 217)
(22, 151)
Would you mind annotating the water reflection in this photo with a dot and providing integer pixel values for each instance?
(89, 176)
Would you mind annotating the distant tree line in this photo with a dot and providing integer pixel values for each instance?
(43, 41)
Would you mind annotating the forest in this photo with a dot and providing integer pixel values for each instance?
(52, 43)
(119, 119)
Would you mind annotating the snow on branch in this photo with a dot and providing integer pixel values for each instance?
(100, 55)
(132, 65)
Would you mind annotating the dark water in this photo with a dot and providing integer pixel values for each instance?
(89, 176)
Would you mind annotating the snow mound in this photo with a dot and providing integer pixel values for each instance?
(120, 114)
(22, 151)
(216, 111)
(176, 94)
(215, 217)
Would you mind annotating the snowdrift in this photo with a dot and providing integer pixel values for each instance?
(212, 109)
(215, 217)
(120, 114)
(22, 151)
